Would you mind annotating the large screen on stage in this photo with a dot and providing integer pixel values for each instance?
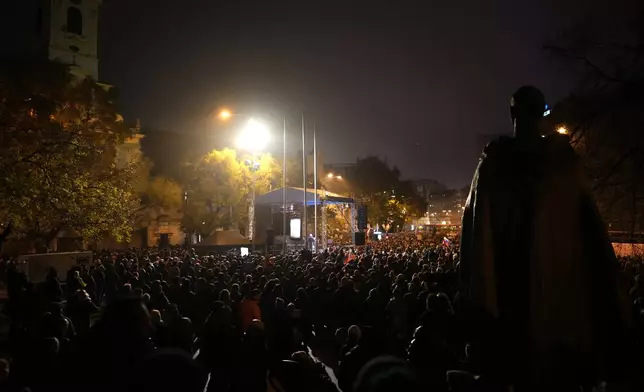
(296, 228)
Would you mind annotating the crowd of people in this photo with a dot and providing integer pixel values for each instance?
(388, 318)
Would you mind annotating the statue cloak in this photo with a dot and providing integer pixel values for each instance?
(536, 256)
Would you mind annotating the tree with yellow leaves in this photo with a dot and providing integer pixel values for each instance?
(160, 196)
(219, 186)
(59, 138)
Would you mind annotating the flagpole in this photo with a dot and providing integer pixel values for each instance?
(284, 190)
(315, 187)
(304, 178)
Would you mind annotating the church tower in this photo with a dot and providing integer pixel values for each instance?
(61, 30)
(73, 35)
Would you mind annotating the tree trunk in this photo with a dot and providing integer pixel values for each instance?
(5, 233)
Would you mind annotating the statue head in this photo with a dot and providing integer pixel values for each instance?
(527, 106)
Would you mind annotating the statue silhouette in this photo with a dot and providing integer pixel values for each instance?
(536, 257)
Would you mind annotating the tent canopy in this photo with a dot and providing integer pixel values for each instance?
(296, 196)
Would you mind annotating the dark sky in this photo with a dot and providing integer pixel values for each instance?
(415, 82)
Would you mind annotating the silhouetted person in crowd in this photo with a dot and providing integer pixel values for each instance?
(353, 338)
(536, 258)
(55, 324)
(253, 359)
(115, 346)
(249, 309)
(219, 346)
(280, 331)
(429, 355)
(80, 309)
(386, 374)
(367, 348)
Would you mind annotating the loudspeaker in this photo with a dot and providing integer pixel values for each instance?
(358, 238)
(270, 236)
(278, 223)
(263, 220)
(362, 217)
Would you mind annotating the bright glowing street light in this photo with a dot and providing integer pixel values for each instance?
(254, 137)
(562, 130)
(330, 177)
(225, 114)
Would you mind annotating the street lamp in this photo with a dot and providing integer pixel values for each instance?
(225, 114)
(253, 139)
(330, 177)
(562, 130)
(247, 141)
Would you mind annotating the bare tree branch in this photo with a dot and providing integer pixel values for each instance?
(567, 53)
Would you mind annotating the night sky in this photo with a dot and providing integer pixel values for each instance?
(415, 82)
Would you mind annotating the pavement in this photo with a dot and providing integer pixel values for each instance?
(327, 368)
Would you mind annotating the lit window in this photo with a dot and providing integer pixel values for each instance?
(74, 21)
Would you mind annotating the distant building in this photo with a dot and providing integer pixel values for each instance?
(60, 30)
(446, 207)
(427, 187)
(129, 150)
(65, 31)
(340, 169)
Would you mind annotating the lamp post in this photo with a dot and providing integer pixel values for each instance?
(329, 177)
(227, 114)
(253, 139)
(253, 166)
